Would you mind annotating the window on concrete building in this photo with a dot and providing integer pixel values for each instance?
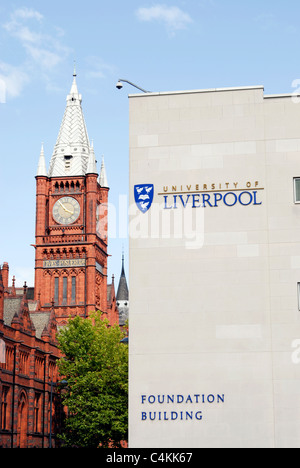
(297, 190)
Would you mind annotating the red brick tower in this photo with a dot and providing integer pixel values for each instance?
(71, 222)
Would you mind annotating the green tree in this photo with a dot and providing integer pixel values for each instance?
(95, 371)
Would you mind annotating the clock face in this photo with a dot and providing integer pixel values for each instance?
(66, 210)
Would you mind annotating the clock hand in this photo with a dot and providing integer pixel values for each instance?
(68, 211)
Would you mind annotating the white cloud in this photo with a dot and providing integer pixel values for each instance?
(12, 81)
(44, 50)
(27, 13)
(268, 22)
(16, 25)
(171, 16)
(97, 68)
(47, 59)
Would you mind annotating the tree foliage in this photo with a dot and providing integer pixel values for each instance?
(95, 371)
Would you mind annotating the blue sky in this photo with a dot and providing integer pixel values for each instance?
(161, 46)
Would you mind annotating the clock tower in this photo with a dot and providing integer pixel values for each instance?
(71, 222)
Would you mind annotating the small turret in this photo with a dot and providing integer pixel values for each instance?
(103, 177)
(123, 297)
(42, 171)
(92, 165)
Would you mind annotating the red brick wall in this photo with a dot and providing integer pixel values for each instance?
(86, 240)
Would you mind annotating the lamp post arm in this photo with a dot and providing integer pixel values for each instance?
(132, 84)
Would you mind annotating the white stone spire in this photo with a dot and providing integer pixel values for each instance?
(103, 177)
(42, 171)
(72, 150)
(92, 164)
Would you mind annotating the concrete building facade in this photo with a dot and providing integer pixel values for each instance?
(214, 269)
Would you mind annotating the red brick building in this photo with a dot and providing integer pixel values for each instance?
(70, 279)
(28, 373)
(71, 223)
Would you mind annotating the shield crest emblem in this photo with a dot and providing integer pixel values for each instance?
(143, 195)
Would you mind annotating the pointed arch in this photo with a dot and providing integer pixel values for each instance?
(22, 426)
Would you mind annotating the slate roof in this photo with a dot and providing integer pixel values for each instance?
(40, 320)
(13, 308)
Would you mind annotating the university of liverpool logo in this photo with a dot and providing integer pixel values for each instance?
(143, 195)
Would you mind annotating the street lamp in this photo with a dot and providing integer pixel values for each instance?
(120, 86)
